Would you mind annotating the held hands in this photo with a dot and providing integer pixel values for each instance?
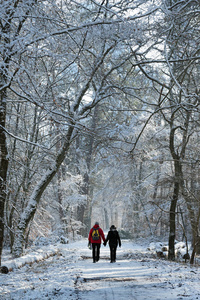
(104, 243)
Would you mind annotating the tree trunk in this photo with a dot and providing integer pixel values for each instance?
(177, 176)
(84, 210)
(3, 172)
(34, 200)
(172, 222)
(3, 159)
(5, 32)
(194, 216)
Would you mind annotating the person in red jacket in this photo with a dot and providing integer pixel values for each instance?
(94, 238)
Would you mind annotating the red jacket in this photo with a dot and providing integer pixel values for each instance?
(101, 235)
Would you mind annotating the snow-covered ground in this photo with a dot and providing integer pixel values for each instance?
(71, 274)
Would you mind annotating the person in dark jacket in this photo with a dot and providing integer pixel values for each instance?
(114, 240)
(94, 238)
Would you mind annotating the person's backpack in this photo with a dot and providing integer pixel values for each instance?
(95, 234)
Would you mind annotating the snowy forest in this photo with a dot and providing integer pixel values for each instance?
(99, 119)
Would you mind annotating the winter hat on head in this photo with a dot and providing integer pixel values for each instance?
(112, 227)
(96, 223)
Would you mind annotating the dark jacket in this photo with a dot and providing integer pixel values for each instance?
(113, 238)
(100, 233)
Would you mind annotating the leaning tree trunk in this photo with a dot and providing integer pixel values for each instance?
(34, 200)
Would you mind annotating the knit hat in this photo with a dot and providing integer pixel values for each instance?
(112, 227)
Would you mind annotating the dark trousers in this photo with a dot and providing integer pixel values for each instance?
(113, 250)
(95, 251)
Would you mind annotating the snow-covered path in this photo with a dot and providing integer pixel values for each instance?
(72, 275)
